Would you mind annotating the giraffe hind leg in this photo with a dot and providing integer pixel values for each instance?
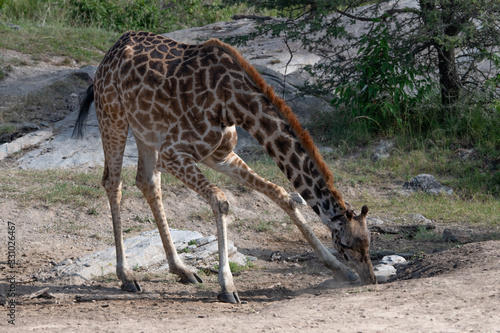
(148, 181)
(111, 181)
(183, 166)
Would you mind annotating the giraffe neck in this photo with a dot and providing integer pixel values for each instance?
(252, 104)
(291, 156)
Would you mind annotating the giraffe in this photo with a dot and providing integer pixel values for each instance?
(182, 103)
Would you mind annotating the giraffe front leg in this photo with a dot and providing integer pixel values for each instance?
(148, 180)
(225, 279)
(340, 271)
(232, 165)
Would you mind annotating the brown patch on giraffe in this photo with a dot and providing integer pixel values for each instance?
(269, 125)
(156, 55)
(303, 135)
(157, 66)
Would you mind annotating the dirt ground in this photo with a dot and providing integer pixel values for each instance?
(455, 290)
(445, 288)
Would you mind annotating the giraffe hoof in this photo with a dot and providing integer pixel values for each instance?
(191, 279)
(228, 297)
(132, 287)
(352, 278)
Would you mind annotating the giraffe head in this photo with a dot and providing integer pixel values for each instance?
(352, 239)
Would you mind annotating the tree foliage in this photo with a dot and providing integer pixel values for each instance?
(383, 57)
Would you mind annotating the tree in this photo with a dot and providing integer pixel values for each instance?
(449, 42)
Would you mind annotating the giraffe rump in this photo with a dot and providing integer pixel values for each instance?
(303, 135)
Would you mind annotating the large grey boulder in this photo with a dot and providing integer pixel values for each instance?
(61, 151)
(267, 51)
(146, 251)
(428, 184)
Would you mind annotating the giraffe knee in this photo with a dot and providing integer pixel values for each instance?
(223, 207)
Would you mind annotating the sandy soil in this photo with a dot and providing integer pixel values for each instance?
(455, 290)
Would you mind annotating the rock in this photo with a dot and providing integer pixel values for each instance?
(382, 151)
(381, 279)
(384, 270)
(466, 154)
(205, 240)
(267, 51)
(392, 260)
(374, 221)
(452, 235)
(12, 26)
(66, 262)
(275, 256)
(239, 258)
(387, 267)
(428, 184)
(381, 254)
(418, 218)
(29, 127)
(29, 140)
(146, 251)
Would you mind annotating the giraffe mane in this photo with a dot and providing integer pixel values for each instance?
(303, 135)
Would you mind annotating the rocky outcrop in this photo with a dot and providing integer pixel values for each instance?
(146, 251)
(270, 52)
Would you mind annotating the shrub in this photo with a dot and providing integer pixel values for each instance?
(386, 88)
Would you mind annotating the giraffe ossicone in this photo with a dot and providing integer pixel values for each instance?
(182, 103)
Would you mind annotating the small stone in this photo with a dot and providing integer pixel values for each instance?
(374, 221)
(466, 154)
(392, 260)
(381, 279)
(29, 127)
(276, 255)
(382, 151)
(66, 262)
(205, 240)
(384, 270)
(418, 218)
(13, 26)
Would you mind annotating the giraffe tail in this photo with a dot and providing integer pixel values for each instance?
(86, 100)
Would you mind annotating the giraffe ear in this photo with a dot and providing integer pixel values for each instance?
(364, 211)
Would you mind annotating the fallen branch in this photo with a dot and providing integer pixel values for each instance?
(252, 17)
(125, 297)
(42, 293)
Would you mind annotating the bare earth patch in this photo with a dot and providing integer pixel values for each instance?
(454, 291)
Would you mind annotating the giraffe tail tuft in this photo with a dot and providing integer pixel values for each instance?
(86, 100)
